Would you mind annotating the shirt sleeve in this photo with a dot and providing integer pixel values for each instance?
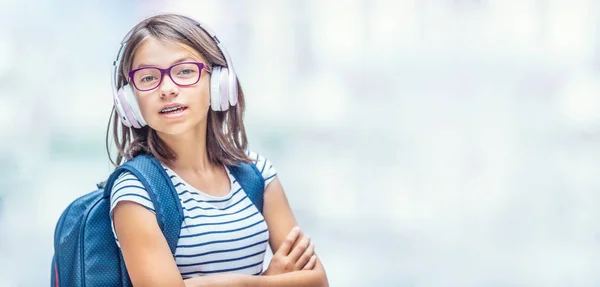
(128, 187)
(263, 165)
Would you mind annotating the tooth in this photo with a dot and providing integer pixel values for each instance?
(170, 109)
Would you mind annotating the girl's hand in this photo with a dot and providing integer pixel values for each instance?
(301, 256)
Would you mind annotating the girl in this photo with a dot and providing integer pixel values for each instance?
(185, 107)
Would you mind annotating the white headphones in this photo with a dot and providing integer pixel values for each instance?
(223, 85)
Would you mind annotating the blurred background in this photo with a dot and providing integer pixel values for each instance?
(420, 142)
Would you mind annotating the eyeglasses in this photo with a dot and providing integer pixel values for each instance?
(183, 74)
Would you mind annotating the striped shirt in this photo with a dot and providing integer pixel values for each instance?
(218, 234)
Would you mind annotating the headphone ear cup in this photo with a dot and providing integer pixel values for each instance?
(215, 92)
(120, 110)
(224, 88)
(233, 90)
(130, 107)
(126, 106)
(134, 106)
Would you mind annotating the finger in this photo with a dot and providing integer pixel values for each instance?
(300, 235)
(288, 242)
(310, 251)
(299, 249)
(311, 263)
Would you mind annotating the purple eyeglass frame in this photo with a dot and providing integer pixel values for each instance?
(201, 66)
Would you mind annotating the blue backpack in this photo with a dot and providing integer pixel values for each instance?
(85, 251)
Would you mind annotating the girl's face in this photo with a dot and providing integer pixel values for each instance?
(171, 109)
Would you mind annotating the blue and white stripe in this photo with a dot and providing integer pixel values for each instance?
(219, 234)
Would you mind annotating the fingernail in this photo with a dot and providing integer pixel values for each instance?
(296, 229)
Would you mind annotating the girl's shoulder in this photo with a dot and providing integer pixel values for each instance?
(128, 187)
(263, 165)
(255, 156)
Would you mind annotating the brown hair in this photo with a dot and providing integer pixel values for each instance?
(226, 140)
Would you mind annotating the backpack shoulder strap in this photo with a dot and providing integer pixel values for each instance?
(251, 181)
(155, 179)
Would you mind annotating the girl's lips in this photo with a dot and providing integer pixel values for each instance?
(175, 114)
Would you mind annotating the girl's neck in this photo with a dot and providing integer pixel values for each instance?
(190, 148)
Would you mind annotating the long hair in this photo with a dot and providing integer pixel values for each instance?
(226, 140)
